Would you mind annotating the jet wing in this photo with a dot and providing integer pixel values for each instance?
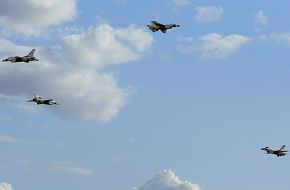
(169, 26)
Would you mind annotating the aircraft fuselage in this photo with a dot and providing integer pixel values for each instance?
(20, 59)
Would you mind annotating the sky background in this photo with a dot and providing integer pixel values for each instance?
(185, 110)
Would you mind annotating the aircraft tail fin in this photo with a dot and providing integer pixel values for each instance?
(153, 22)
(283, 148)
(31, 53)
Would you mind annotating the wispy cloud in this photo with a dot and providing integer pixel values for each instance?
(208, 14)
(74, 170)
(181, 3)
(167, 180)
(261, 18)
(278, 38)
(213, 45)
(8, 139)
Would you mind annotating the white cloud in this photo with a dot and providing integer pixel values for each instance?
(105, 45)
(31, 16)
(101, 20)
(280, 38)
(214, 45)
(5, 186)
(84, 92)
(167, 180)
(261, 18)
(181, 3)
(75, 170)
(207, 14)
(8, 139)
(9, 47)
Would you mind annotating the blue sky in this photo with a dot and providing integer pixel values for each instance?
(185, 110)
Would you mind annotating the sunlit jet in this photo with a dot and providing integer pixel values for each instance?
(25, 58)
(279, 152)
(155, 26)
(39, 100)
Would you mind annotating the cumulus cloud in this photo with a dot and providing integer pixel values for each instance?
(5, 186)
(167, 180)
(75, 170)
(105, 45)
(214, 45)
(207, 14)
(84, 91)
(31, 16)
(9, 47)
(8, 139)
(261, 18)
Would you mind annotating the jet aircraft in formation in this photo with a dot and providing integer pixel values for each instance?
(30, 57)
(26, 58)
(155, 26)
(278, 153)
(39, 100)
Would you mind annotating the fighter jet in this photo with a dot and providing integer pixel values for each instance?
(155, 26)
(39, 100)
(25, 58)
(280, 152)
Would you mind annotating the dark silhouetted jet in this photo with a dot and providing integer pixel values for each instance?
(155, 26)
(279, 152)
(25, 58)
(39, 100)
